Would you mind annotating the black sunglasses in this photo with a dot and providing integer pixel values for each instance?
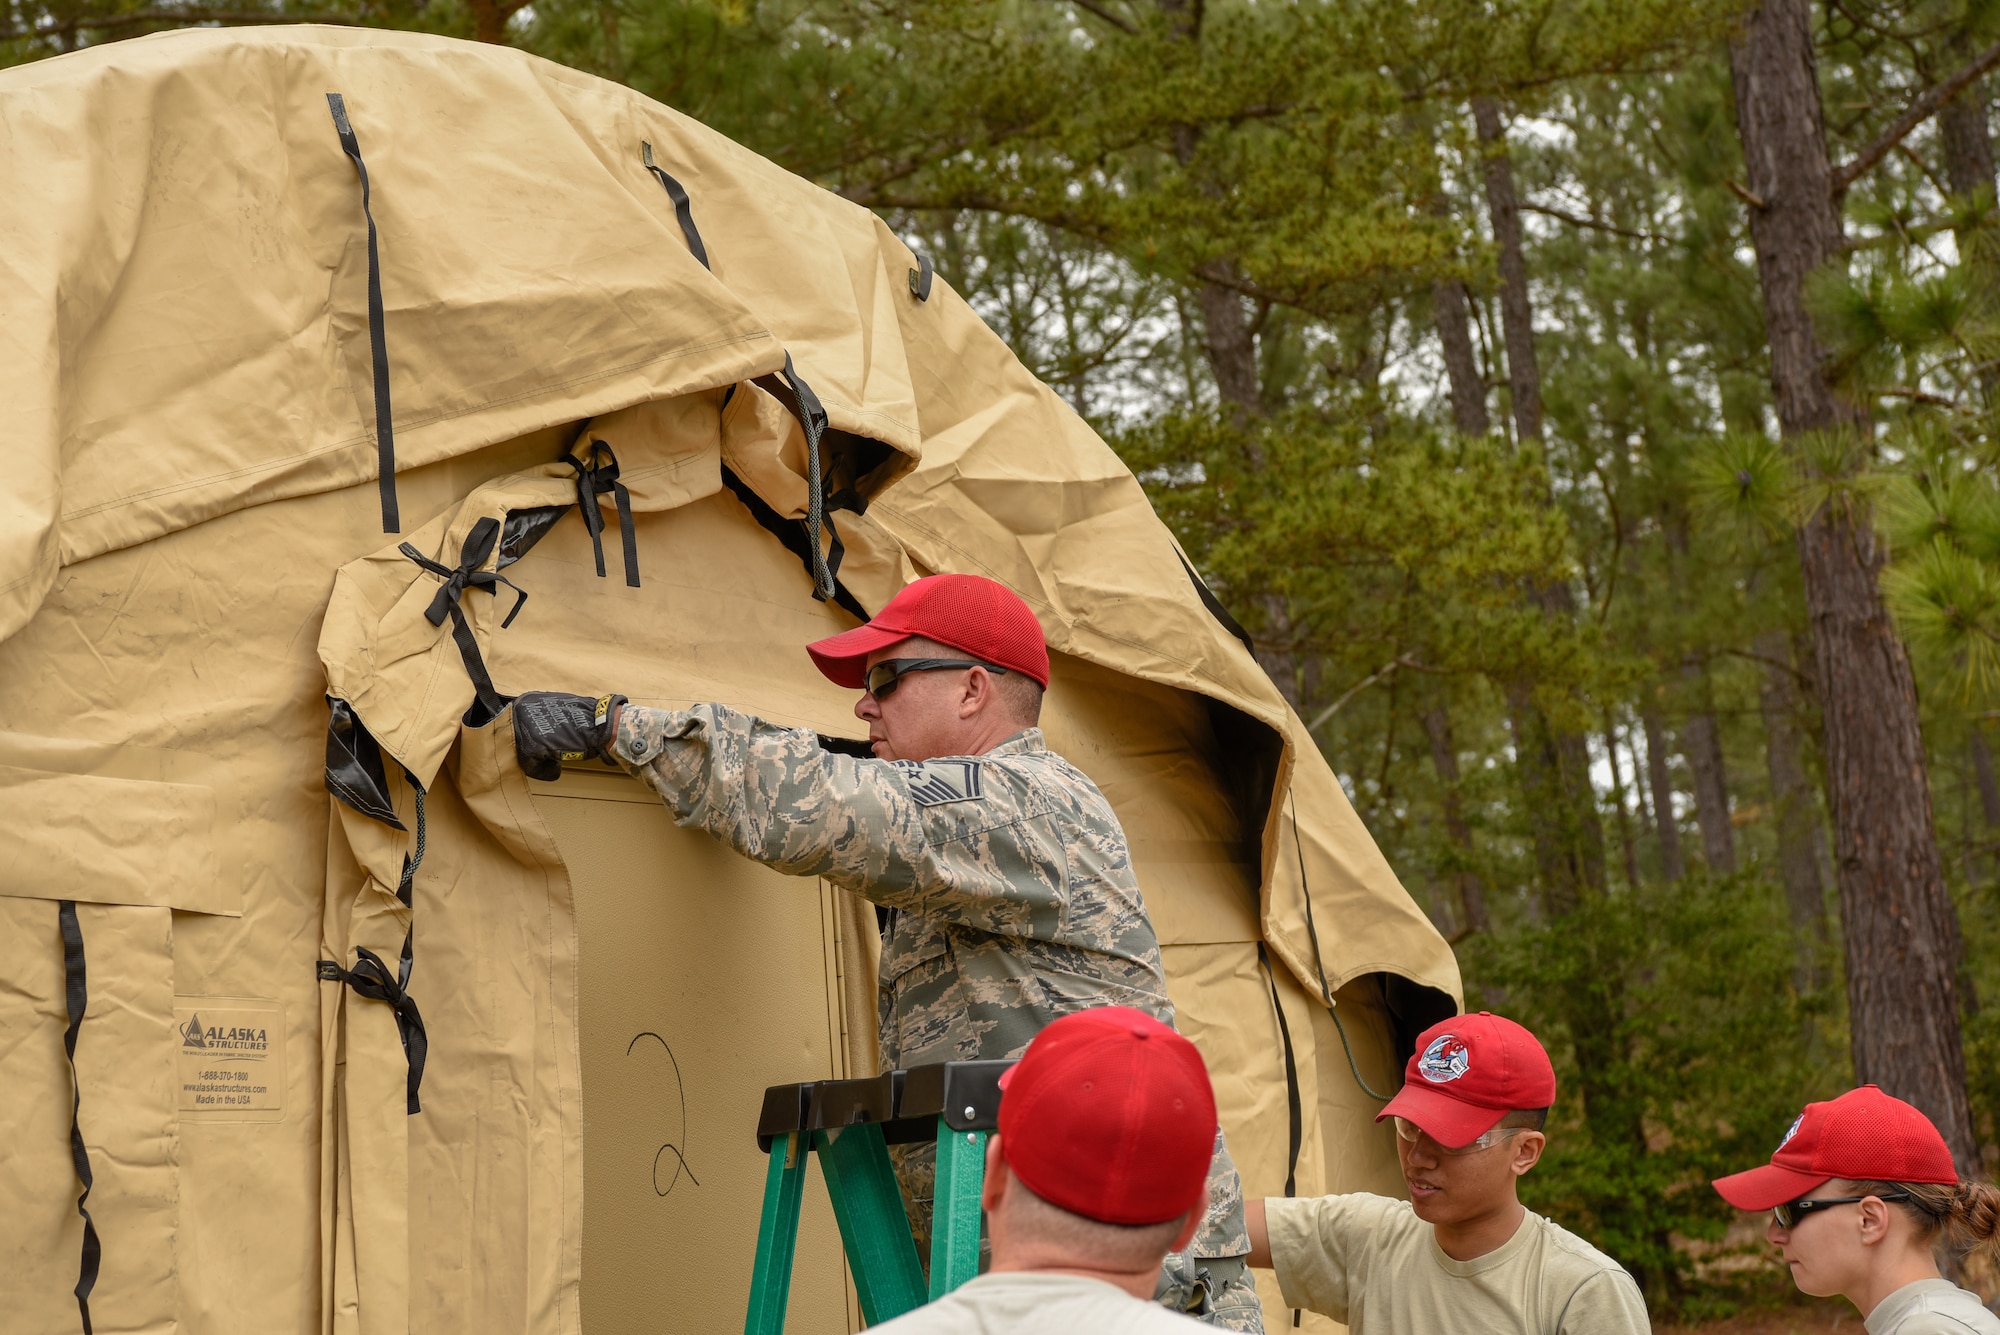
(882, 678)
(1789, 1214)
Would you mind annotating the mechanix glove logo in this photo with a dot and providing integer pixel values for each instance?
(1445, 1060)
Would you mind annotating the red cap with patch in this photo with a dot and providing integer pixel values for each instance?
(1469, 1072)
(1862, 1136)
(982, 618)
(1109, 1115)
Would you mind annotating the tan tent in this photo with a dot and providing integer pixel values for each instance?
(195, 576)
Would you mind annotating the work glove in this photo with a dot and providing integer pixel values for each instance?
(553, 726)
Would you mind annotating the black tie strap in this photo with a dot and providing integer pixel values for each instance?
(790, 389)
(597, 473)
(76, 997)
(378, 340)
(468, 575)
(791, 534)
(920, 279)
(683, 209)
(371, 978)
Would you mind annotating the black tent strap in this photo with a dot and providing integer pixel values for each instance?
(596, 474)
(468, 575)
(920, 278)
(76, 998)
(378, 339)
(1215, 607)
(371, 978)
(683, 208)
(789, 388)
(792, 534)
(1292, 1105)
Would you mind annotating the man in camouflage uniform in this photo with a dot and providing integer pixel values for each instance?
(1009, 886)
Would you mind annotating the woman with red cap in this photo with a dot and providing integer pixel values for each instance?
(1861, 1191)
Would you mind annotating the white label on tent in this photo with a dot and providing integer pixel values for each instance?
(232, 1058)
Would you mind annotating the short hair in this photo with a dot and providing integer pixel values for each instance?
(1113, 1246)
(1531, 1119)
(1020, 693)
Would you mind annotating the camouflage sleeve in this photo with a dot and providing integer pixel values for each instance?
(775, 796)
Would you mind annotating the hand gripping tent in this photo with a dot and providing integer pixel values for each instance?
(352, 382)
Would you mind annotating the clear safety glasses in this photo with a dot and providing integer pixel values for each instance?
(1410, 1131)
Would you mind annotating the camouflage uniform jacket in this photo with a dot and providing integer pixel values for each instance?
(1007, 875)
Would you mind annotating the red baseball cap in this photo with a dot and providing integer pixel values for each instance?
(1469, 1072)
(1862, 1136)
(1109, 1115)
(980, 617)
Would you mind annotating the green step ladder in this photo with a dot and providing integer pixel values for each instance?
(850, 1125)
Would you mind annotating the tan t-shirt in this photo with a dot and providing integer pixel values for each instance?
(1370, 1262)
(1031, 1303)
(1932, 1307)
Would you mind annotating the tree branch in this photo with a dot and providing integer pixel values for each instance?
(1091, 6)
(1919, 111)
(1578, 220)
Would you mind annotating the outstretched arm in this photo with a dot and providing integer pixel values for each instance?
(775, 795)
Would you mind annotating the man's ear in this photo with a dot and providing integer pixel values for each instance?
(994, 1189)
(1528, 1147)
(978, 692)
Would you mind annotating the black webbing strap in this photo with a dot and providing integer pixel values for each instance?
(920, 278)
(468, 575)
(76, 996)
(370, 976)
(596, 474)
(1215, 607)
(791, 533)
(1297, 1128)
(1305, 893)
(683, 209)
(790, 389)
(378, 341)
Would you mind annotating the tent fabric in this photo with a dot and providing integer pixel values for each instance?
(192, 563)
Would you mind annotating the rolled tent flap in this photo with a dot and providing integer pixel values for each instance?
(202, 471)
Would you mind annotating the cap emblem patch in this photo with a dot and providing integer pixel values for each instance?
(1445, 1060)
(1790, 1131)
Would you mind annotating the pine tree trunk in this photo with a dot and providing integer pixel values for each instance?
(1800, 839)
(1231, 348)
(1627, 845)
(1444, 756)
(1666, 827)
(1524, 377)
(1701, 744)
(1982, 769)
(1454, 325)
(1900, 931)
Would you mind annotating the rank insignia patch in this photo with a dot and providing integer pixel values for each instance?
(933, 782)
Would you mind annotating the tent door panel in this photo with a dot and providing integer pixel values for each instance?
(704, 978)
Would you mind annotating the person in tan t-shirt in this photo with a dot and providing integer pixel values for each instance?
(1462, 1255)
